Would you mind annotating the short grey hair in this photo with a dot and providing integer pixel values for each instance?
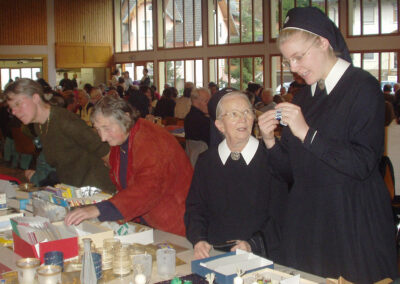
(195, 94)
(24, 86)
(83, 92)
(229, 95)
(115, 107)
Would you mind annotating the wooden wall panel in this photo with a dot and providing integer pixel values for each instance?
(79, 55)
(69, 56)
(23, 22)
(83, 21)
(98, 55)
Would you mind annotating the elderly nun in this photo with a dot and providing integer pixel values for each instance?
(234, 202)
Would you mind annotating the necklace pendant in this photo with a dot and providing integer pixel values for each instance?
(235, 156)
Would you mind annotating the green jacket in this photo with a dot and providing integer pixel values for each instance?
(74, 150)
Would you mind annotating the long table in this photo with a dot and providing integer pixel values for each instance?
(187, 257)
(181, 270)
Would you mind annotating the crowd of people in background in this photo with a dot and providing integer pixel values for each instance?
(143, 96)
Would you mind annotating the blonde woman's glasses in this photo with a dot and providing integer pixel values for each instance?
(235, 115)
(296, 59)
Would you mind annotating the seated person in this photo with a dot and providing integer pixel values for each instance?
(197, 123)
(184, 103)
(267, 100)
(234, 202)
(149, 167)
(166, 105)
(85, 106)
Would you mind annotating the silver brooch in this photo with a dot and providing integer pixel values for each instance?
(235, 156)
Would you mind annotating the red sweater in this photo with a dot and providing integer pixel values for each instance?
(158, 178)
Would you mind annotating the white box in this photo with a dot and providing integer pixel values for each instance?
(5, 216)
(275, 276)
(142, 234)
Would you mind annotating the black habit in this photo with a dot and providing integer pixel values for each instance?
(339, 219)
(235, 201)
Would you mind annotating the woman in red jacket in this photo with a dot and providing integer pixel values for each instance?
(149, 167)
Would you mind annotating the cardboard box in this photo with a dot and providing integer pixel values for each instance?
(69, 246)
(225, 266)
(5, 216)
(143, 235)
(275, 276)
(19, 204)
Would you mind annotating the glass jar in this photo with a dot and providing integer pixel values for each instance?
(122, 263)
(107, 252)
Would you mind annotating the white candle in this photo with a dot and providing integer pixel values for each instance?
(238, 280)
(49, 274)
(140, 279)
(27, 269)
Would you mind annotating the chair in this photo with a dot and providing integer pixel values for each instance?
(169, 120)
(194, 148)
(180, 122)
(386, 170)
(24, 146)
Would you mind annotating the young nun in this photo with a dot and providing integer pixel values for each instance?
(339, 220)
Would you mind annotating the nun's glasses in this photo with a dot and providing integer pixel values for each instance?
(235, 115)
(297, 58)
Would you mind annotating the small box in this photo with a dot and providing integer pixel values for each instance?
(19, 204)
(274, 275)
(69, 246)
(142, 234)
(226, 265)
(5, 216)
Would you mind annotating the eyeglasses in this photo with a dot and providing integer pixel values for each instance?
(296, 59)
(235, 115)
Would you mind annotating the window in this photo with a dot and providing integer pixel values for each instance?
(382, 65)
(388, 68)
(236, 72)
(369, 13)
(176, 73)
(279, 9)
(235, 21)
(15, 74)
(369, 56)
(5, 77)
(180, 23)
(372, 17)
(11, 73)
(136, 70)
(280, 75)
(134, 25)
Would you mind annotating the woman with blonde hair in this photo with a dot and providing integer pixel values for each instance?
(339, 220)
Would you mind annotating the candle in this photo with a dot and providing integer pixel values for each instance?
(238, 280)
(27, 269)
(49, 274)
(140, 279)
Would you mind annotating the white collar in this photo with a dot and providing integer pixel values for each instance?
(334, 75)
(248, 151)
